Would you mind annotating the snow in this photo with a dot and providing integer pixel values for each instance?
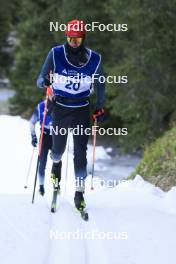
(6, 94)
(140, 216)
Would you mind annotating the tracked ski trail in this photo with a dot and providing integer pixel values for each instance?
(145, 213)
(65, 250)
(94, 246)
(23, 234)
(41, 223)
(47, 251)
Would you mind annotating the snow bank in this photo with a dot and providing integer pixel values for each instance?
(133, 223)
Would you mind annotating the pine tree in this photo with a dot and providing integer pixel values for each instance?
(147, 55)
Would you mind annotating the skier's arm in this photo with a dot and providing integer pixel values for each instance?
(34, 119)
(99, 88)
(47, 67)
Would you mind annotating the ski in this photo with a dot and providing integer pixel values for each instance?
(56, 192)
(54, 201)
(80, 205)
(83, 213)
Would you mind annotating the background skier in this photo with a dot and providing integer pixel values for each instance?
(37, 116)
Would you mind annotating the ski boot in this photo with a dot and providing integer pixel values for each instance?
(55, 178)
(56, 186)
(81, 205)
(79, 201)
(41, 190)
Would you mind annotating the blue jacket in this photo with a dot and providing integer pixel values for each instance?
(37, 116)
(52, 64)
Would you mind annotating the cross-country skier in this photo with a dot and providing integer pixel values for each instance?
(37, 116)
(71, 97)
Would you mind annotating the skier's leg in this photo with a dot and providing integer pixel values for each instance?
(80, 157)
(80, 160)
(80, 147)
(56, 170)
(56, 175)
(80, 166)
(60, 124)
(42, 163)
(58, 147)
(59, 142)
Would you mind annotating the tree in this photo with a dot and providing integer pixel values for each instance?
(35, 40)
(147, 55)
(7, 20)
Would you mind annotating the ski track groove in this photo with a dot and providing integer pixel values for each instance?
(79, 221)
(79, 225)
(86, 244)
(10, 223)
(100, 248)
(49, 243)
(48, 247)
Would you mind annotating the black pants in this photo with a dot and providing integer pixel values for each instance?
(64, 118)
(46, 146)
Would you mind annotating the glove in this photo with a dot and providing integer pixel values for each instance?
(99, 115)
(47, 80)
(34, 140)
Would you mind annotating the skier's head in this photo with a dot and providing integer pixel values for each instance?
(75, 33)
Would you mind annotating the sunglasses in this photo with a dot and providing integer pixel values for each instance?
(74, 41)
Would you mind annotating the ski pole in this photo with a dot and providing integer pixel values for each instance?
(29, 169)
(94, 147)
(40, 143)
